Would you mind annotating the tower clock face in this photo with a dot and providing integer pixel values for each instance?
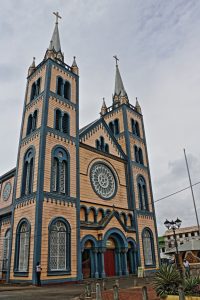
(103, 181)
(7, 191)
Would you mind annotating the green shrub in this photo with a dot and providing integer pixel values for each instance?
(167, 280)
(191, 285)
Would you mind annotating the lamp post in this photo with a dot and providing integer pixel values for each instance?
(175, 225)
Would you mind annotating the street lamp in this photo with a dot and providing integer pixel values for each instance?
(174, 225)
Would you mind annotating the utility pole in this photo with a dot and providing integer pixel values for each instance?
(195, 208)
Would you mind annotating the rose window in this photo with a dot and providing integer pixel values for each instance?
(103, 181)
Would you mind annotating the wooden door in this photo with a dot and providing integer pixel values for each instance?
(109, 261)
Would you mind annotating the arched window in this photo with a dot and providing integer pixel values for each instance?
(142, 191)
(67, 90)
(32, 123)
(97, 144)
(65, 123)
(29, 125)
(33, 91)
(148, 247)
(22, 246)
(140, 156)
(60, 171)
(58, 119)
(59, 86)
(136, 154)
(116, 124)
(59, 245)
(38, 82)
(111, 127)
(27, 177)
(137, 129)
(102, 143)
(106, 148)
(34, 120)
(6, 243)
(133, 126)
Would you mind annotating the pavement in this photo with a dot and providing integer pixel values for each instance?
(61, 291)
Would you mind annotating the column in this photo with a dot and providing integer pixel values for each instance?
(96, 273)
(118, 254)
(124, 251)
(103, 274)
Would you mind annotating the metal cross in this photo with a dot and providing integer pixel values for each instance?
(116, 58)
(57, 16)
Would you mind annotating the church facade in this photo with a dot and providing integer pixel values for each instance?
(79, 200)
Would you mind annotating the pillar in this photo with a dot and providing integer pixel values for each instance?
(124, 251)
(118, 254)
(96, 273)
(103, 274)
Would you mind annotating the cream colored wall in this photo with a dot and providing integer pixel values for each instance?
(66, 108)
(133, 115)
(145, 221)
(139, 171)
(24, 147)
(41, 73)
(87, 158)
(3, 229)
(68, 212)
(117, 114)
(30, 110)
(95, 134)
(59, 72)
(25, 210)
(51, 142)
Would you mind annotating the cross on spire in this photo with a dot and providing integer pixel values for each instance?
(116, 59)
(57, 16)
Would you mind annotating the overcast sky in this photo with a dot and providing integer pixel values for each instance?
(158, 43)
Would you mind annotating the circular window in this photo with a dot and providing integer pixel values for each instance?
(103, 181)
(7, 191)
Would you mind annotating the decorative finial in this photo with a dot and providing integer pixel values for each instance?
(57, 16)
(116, 59)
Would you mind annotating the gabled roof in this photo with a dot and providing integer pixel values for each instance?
(87, 129)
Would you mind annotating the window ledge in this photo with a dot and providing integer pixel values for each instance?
(21, 274)
(63, 272)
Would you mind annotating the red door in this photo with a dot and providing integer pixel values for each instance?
(109, 260)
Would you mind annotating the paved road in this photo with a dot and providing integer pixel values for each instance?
(60, 292)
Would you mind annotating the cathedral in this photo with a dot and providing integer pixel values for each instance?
(80, 200)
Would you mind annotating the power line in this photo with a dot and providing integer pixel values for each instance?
(179, 191)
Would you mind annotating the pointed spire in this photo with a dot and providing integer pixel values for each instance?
(54, 50)
(74, 64)
(55, 40)
(74, 67)
(32, 68)
(103, 108)
(137, 106)
(119, 87)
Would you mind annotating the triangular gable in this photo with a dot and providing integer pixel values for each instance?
(89, 134)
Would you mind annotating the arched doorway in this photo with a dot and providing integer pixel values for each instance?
(115, 256)
(89, 257)
(87, 260)
(132, 258)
